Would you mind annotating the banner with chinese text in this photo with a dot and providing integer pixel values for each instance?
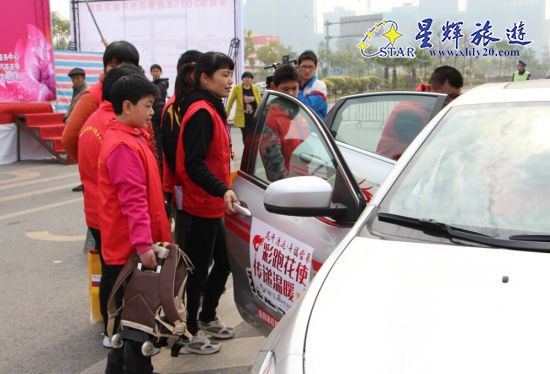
(280, 266)
(26, 55)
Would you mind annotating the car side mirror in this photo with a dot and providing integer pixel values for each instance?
(305, 196)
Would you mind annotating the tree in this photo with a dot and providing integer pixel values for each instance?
(391, 64)
(249, 48)
(273, 52)
(423, 61)
(355, 67)
(61, 33)
(323, 58)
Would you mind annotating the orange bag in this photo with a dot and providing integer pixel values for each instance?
(94, 276)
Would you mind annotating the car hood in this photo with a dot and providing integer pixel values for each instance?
(400, 307)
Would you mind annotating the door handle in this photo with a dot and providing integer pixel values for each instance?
(242, 210)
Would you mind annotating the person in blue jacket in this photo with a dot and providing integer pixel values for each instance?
(313, 92)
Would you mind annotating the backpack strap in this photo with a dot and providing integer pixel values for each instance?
(113, 310)
(173, 278)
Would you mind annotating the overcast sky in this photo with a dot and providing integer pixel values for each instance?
(323, 6)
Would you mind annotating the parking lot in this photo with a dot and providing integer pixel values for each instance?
(44, 302)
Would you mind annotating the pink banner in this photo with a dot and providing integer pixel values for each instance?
(26, 57)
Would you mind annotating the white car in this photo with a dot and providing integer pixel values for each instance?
(275, 253)
(448, 268)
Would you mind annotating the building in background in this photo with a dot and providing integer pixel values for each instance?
(332, 27)
(252, 62)
(293, 21)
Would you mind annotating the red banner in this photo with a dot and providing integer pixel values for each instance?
(26, 57)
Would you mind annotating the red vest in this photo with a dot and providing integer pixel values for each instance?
(97, 92)
(390, 143)
(197, 201)
(169, 102)
(89, 143)
(115, 242)
(167, 177)
(291, 131)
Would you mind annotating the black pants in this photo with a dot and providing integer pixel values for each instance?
(127, 359)
(203, 240)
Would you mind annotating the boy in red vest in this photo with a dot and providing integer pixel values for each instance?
(89, 144)
(132, 215)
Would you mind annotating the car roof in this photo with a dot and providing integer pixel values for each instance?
(522, 91)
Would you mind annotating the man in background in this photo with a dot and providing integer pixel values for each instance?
(158, 105)
(78, 77)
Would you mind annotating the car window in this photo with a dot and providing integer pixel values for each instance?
(384, 124)
(288, 144)
(484, 168)
(287, 141)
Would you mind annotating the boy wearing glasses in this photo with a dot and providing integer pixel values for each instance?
(313, 92)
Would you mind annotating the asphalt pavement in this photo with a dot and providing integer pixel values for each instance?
(44, 301)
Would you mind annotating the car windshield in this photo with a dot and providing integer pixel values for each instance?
(484, 168)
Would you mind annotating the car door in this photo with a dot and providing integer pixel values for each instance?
(274, 256)
(372, 130)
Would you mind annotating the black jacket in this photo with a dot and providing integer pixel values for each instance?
(158, 105)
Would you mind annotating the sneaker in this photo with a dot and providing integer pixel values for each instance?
(106, 342)
(200, 345)
(216, 329)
